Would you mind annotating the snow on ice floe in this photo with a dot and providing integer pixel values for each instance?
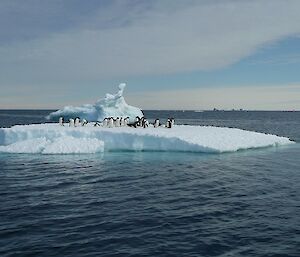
(110, 106)
(60, 145)
(56, 139)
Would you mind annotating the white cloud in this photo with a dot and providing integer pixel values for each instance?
(202, 35)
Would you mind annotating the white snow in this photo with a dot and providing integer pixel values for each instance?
(53, 138)
(110, 106)
(60, 145)
(67, 144)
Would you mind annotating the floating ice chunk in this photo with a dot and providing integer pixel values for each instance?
(110, 106)
(54, 138)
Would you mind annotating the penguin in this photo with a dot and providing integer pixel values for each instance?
(107, 122)
(137, 121)
(114, 122)
(145, 123)
(126, 121)
(168, 123)
(156, 123)
(135, 124)
(61, 121)
(97, 124)
(84, 122)
(104, 123)
(111, 122)
(172, 122)
(121, 122)
(76, 122)
(117, 122)
(71, 122)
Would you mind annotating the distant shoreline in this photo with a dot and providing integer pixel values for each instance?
(50, 110)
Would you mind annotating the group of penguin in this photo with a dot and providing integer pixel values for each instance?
(73, 122)
(119, 122)
(111, 122)
(143, 122)
(139, 122)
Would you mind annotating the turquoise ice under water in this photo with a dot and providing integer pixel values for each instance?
(155, 203)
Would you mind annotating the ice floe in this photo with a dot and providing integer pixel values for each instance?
(52, 138)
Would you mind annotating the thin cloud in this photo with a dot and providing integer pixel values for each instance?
(286, 59)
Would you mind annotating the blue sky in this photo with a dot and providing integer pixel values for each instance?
(172, 54)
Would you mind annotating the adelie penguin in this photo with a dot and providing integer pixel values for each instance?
(61, 121)
(111, 122)
(71, 122)
(172, 122)
(77, 122)
(136, 123)
(156, 123)
(97, 124)
(122, 122)
(168, 123)
(145, 123)
(141, 123)
(126, 121)
(104, 123)
(84, 122)
(117, 122)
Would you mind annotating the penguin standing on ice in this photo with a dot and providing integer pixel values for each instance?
(156, 123)
(111, 122)
(145, 123)
(137, 121)
(172, 122)
(84, 122)
(168, 123)
(114, 122)
(61, 121)
(71, 122)
(126, 121)
(76, 122)
(104, 123)
(117, 122)
(122, 122)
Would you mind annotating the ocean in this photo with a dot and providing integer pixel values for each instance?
(245, 203)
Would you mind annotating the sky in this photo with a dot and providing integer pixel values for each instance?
(172, 54)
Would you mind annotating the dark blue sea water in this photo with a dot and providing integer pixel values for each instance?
(155, 204)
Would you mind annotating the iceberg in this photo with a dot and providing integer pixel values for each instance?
(110, 106)
(51, 138)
